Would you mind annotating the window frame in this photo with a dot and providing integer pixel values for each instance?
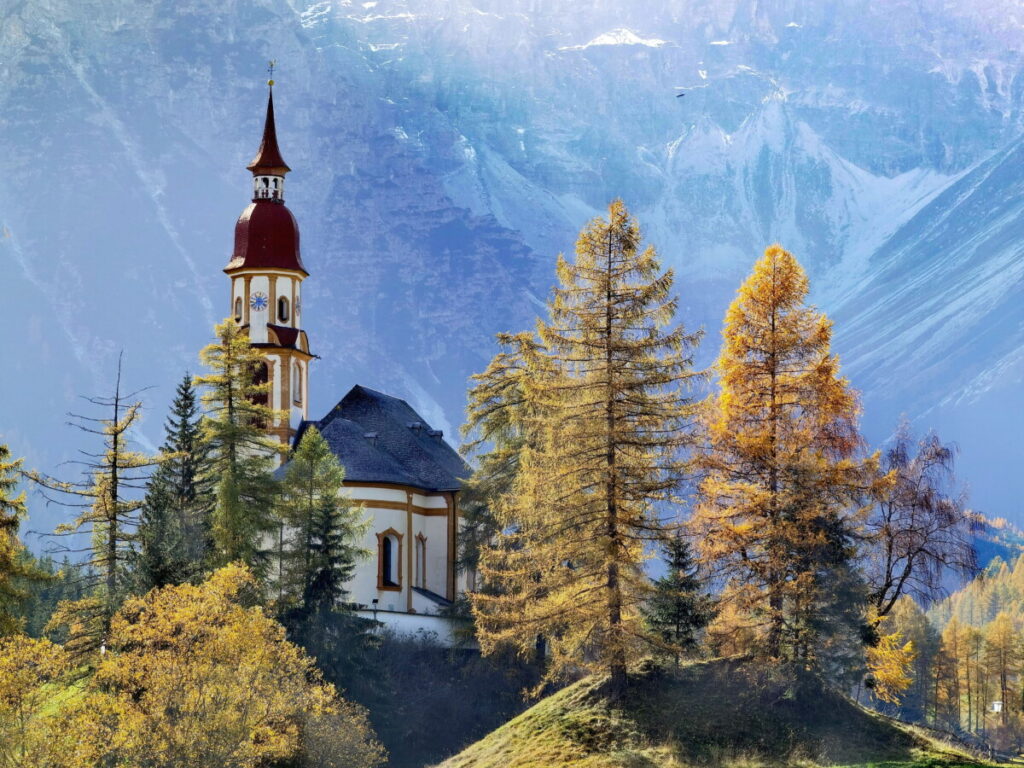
(396, 555)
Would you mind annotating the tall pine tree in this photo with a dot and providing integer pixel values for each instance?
(175, 536)
(606, 396)
(782, 471)
(240, 452)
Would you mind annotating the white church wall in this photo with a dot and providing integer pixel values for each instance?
(436, 531)
(363, 586)
(376, 494)
(430, 502)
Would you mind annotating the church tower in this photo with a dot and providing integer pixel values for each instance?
(266, 274)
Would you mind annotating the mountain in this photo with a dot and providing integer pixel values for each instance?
(445, 150)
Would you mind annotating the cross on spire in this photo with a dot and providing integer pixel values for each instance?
(270, 71)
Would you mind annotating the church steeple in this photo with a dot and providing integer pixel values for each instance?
(266, 274)
(268, 167)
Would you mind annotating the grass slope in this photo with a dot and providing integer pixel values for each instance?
(717, 713)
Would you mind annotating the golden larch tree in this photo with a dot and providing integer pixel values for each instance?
(240, 450)
(781, 461)
(105, 503)
(605, 398)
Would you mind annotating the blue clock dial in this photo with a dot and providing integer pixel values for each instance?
(258, 301)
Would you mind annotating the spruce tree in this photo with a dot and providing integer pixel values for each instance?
(320, 539)
(15, 568)
(679, 608)
(321, 528)
(240, 451)
(606, 399)
(174, 536)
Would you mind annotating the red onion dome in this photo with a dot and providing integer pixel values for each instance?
(266, 237)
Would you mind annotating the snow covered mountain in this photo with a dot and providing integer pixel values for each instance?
(445, 150)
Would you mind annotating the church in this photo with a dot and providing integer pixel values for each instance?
(402, 472)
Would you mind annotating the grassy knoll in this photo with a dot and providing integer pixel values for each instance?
(720, 713)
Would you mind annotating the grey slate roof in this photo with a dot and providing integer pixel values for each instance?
(401, 449)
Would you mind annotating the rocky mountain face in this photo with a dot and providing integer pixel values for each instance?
(445, 150)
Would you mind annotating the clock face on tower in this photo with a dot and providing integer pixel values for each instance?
(258, 301)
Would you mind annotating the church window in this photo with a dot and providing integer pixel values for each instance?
(421, 561)
(296, 383)
(238, 309)
(282, 309)
(389, 560)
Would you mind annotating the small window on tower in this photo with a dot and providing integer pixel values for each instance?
(238, 309)
(282, 309)
(296, 384)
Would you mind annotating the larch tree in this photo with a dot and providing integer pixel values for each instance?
(14, 568)
(106, 501)
(1002, 657)
(606, 395)
(781, 461)
(240, 451)
(910, 621)
(890, 662)
(499, 427)
(174, 537)
(32, 734)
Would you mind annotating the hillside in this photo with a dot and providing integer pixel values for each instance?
(718, 713)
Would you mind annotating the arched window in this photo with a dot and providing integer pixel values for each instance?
(296, 383)
(421, 561)
(238, 309)
(389, 560)
(282, 309)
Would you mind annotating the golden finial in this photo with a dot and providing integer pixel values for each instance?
(270, 69)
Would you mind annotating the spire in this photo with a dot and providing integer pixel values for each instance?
(268, 160)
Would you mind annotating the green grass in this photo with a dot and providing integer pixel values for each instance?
(724, 713)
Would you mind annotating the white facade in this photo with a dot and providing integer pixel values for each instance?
(411, 544)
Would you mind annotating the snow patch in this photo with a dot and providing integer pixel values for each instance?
(621, 36)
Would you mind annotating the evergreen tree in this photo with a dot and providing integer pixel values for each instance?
(174, 536)
(321, 528)
(781, 466)
(241, 453)
(14, 568)
(606, 396)
(106, 504)
(678, 609)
